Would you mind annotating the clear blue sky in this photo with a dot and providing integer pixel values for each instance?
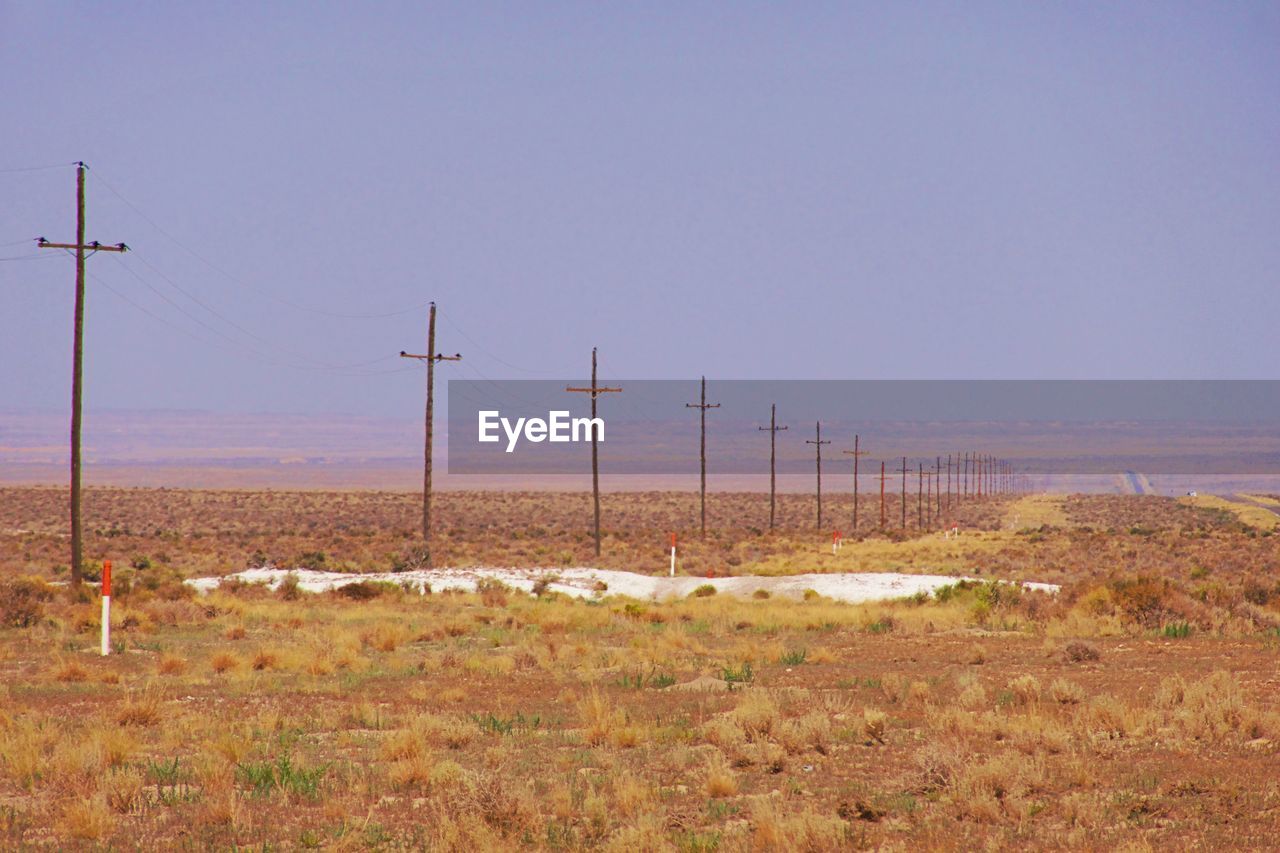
(881, 190)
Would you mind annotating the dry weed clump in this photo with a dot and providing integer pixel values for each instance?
(721, 781)
(70, 670)
(774, 829)
(1079, 651)
(87, 819)
(1066, 692)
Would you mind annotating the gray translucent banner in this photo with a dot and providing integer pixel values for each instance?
(1183, 427)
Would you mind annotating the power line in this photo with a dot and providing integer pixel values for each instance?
(38, 168)
(486, 352)
(240, 347)
(308, 362)
(35, 256)
(286, 302)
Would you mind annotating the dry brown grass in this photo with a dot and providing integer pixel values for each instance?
(987, 719)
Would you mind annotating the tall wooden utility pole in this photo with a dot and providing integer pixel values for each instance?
(595, 391)
(855, 453)
(965, 493)
(937, 485)
(702, 411)
(431, 357)
(919, 494)
(948, 482)
(77, 369)
(773, 429)
(928, 496)
(903, 470)
(882, 516)
(817, 446)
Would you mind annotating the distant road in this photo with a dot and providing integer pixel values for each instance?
(1137, 483)
(1245, 499)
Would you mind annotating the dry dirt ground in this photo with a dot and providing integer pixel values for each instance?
(1135, 709)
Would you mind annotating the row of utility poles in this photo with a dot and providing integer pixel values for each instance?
(980, 474)
(974, 474)
(968, 475)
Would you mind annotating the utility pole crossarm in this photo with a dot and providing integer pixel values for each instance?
(436, 357)
(594, 392)
(95, 246)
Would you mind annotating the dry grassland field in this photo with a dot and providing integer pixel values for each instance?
(1134, 709)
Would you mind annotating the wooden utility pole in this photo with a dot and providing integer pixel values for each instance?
(882, 516)
(920, 494)
(937, 485)
(595, 391)
(855, 453)
(77, 369)
(702, 412)
(818, 455)
(948, 481)
(928, 496)
(773, 429)
(903, 471)
(431, 357)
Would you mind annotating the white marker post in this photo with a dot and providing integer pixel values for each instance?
(106, 607)
(673, 555)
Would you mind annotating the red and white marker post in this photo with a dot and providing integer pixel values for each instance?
(673, 555)
(106, 607)
(837, 542)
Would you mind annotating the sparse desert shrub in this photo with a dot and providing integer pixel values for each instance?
(288, 589)
(493, 593)
(87, 819)
(977, 654)
(140, 709)
(1079, 651)
(602, 721)
(721, 781)
(171, 665)
(123, 790)
(22, 601)
(811, 731)
(874, 723)
(224, 662)
(1065, 692)
(542, 585)
(363, 590)
(757, 715)
(1025, 689)
(1148, 601)
(501, 804)
(704, 590)
(772, 829)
